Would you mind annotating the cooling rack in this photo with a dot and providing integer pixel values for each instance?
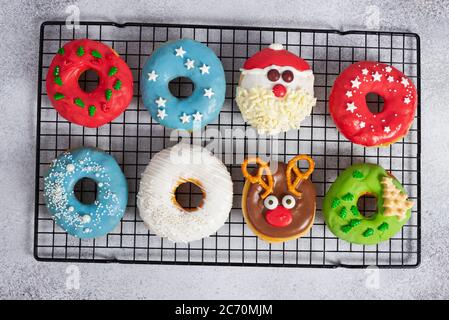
(134, 138)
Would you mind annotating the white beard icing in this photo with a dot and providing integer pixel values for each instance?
(272, 115)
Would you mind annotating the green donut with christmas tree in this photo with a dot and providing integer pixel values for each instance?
(341, 212)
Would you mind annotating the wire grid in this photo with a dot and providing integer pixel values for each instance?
(134, 138)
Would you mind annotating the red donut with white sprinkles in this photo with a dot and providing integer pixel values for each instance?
(351, 114)
(106, 102)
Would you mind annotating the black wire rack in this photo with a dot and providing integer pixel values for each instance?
(134, 138)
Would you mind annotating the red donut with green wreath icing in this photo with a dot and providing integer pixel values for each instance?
(90, 109)
(351, 114)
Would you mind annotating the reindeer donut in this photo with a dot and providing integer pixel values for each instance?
(278, 206)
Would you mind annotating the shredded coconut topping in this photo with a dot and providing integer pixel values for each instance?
(272, 115)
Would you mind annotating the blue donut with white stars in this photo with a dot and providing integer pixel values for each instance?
(76, 218)
(193, 60)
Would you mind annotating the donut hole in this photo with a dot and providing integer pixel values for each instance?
(86, 191)
(367, 205)
(89, 80)
(374, 102)
(181, 87)
(189, 196)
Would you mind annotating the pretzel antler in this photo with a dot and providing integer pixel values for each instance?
(298, 173)
(257, 179)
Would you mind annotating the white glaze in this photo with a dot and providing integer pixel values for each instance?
(257, 78)
(161, 178)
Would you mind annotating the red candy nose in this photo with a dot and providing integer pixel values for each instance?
(279, 90)
(279, 217)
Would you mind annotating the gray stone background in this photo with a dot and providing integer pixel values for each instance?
(22, 277)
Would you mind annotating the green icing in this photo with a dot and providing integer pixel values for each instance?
(96, 54)
(92, 111)
(368, 232)
(108, 94)
(112, 71)
(79, 102)
(118, 85)
(346, 228)
(58, 80)
(355, 222)
(57, 71)
(61, 51)
(353, 227)
(357, 174)
(355, 211)
(335, 203)
(59, 96)
(343, 213)
(348, 197)
(80, 52)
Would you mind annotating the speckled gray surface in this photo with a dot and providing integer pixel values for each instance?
(23, 277)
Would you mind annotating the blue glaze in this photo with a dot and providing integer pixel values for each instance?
(76, 218)
(167, 66)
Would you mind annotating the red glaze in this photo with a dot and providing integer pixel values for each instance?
(282, 58)
(72, 66)
(362, 126)
(279, 90)
(279, 217)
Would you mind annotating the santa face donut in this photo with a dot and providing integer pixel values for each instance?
(76, 218)
(90, 109)
(350, 112)
(193, 60)
(157, 201)
(275, 91)
(281, 206)
(343, 217)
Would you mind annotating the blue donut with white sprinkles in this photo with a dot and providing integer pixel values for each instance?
(189, 59)
(76, 218)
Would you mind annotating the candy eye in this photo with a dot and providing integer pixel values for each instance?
(273, 75)
(288, 202)
(287, 76)
(271, 202)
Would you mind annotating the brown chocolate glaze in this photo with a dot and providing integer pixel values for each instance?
(303, 212)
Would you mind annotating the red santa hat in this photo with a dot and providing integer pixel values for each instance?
(276, 55)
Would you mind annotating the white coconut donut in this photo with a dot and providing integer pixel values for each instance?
(166, 172)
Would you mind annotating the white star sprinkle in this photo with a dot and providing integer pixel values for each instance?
(387, 130)
(152, 76)
(70, 167)
(377, 76)
(404, 82)
(388, 69)
(390, 79)
(190, 64)
(161, 114)
(349, 94)
(356, 83)
(204, 69)
(362, 124)
(350, 107)
(208, 93)
(161, 102)
(365, 71)
(180, 52)
(197, 117)
(407, 100)
(185, 118)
